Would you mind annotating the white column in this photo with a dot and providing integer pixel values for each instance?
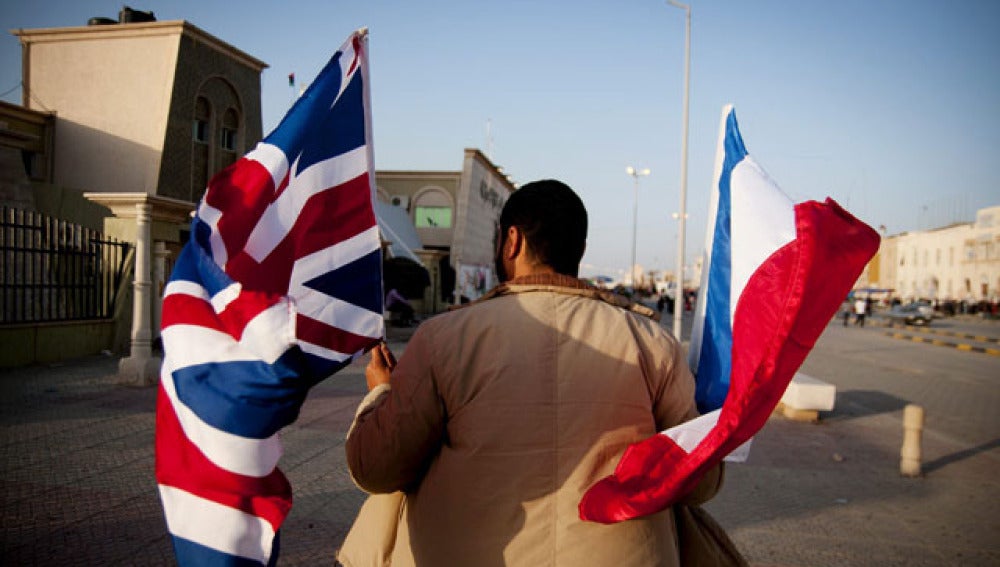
(160, 276)
(141, 368)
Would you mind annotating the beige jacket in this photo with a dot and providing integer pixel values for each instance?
(500, 415)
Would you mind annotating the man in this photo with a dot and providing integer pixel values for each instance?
(396, 303)
(860, 308)
(502, 413)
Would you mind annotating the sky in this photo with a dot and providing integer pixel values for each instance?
(891, 108)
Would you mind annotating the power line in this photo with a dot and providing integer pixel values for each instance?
(12, 89)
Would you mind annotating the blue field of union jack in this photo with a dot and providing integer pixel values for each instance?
(279, 287)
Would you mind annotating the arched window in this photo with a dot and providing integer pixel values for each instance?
(201, 152)
(230, 129)
(202, 119)
(432, 208)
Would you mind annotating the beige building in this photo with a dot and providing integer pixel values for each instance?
(123, 125)
(153, 107)
(956, 262)
(456, 215)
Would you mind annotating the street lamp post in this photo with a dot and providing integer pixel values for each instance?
(682, 215)
(635, 173)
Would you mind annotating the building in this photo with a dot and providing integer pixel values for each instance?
(123, 123)
(959, 262)
(456, 215)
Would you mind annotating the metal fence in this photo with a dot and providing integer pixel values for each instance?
(52, 270)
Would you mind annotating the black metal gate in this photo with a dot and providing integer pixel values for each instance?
(53, 270)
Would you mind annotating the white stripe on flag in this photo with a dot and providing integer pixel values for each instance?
(186, 287)
(272, 332)
(690, 434)
(273, 159)
(762, 221)
(211, 216)
(226, 296)
(337, 313)
(328, 259)
(280, 216)
(216, 526)
(242, 455)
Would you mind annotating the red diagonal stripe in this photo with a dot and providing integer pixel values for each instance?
(319, 333)
(242, 191)
(328, 218)
(181, 464)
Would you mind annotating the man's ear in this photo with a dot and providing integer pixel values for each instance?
(514, 243)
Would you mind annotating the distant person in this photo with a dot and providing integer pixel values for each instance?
(860, 309)
(500, 415)
(396, 303)
(847, 312)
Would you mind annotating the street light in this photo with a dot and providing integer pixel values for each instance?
(635, 173)
(682, 216)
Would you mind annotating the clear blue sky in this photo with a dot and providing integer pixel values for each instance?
(890, 107)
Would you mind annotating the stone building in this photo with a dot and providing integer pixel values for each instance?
(952, 263)
(455, 214)
(143, 114)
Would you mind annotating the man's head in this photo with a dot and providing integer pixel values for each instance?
(548, 220)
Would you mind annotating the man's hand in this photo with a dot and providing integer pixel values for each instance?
(380, 366)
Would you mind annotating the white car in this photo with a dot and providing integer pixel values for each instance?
(919, 314)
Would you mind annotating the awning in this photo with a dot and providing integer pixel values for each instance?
(398, 229)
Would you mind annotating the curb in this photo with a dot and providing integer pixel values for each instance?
(942, 332)
(937, 342)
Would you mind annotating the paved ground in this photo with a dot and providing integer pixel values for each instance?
(77, 485)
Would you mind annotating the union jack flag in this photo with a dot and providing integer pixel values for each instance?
(279, 287)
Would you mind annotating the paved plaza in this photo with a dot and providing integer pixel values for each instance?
(76, 467)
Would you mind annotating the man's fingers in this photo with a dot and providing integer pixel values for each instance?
(387, 356)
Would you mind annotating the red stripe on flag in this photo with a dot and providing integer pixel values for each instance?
(245, 307)
(243, 191)
(319, 333)
(181, 309)
(179, 463)
(326, 219)
(783, 309)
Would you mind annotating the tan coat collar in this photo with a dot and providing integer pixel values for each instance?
(568, 285)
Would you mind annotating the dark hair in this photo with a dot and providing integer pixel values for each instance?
(554, 223)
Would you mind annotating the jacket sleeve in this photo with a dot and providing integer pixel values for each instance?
(671, 384)
(673, 403)
(399, 427)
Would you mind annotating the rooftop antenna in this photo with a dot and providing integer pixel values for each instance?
(489, 138)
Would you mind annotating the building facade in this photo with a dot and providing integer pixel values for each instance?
(456, 215)
(152, 107)
(959, 262)
(132, 119)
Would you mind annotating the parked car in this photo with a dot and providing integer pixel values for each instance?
(918, 314)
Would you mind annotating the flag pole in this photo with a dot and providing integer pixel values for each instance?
(700, 307)
(682, 213)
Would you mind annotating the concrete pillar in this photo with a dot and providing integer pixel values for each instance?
(141, 368)
(911, 453)
(160, 275)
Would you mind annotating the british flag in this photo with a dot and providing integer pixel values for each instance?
(279, 286)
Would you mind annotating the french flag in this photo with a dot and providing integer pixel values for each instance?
(776, 273)
(279, 287)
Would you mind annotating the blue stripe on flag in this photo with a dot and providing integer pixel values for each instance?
(249, 398)
(715, 362)
(191, 553)
(195, 264)
(340, 128)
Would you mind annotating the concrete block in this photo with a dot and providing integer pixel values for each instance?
(807, 393)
